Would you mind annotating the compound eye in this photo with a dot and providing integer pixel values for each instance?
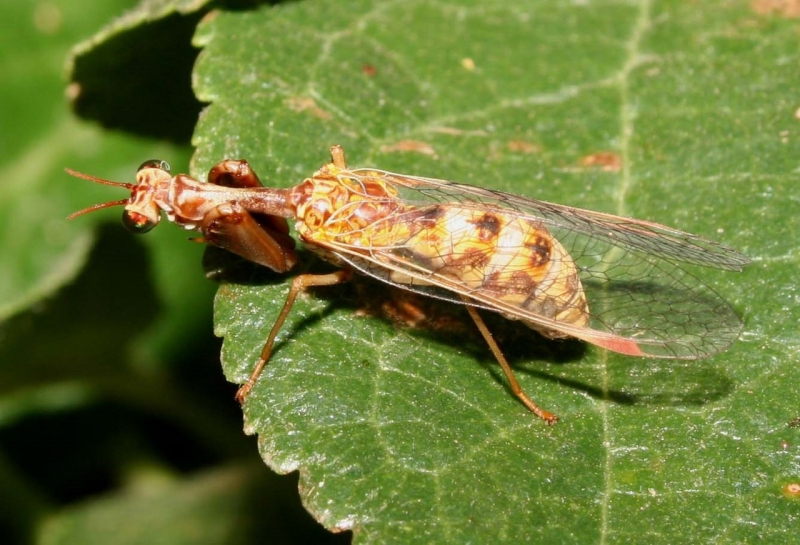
(154, 163)
(136, 222)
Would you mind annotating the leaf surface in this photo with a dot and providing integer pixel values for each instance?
(665, 111)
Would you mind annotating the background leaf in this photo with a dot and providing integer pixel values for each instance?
(142, 59)
(678, 113)
(212, 507)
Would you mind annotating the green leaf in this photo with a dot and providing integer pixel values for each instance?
(212, 507)
(404, 435)
(142, 59)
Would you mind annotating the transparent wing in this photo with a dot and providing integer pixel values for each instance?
(639, 278)
(625, 233)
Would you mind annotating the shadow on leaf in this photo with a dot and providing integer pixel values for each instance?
(634, 381)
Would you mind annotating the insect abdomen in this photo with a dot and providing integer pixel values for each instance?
(499, 255)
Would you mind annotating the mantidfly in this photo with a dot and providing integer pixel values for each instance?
(621, 284)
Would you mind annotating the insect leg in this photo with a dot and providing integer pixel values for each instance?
(233, 173)
(298, 284)
(516, 389)
(337, 156)
(233, 228)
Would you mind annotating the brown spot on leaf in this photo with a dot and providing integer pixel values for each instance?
(523, 146)
(784, 8)
(307, 104)
(458, 132)
(792, 490)
(604, 160)
(415, 146)
(369, 70)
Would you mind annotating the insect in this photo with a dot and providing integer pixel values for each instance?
(622, 284)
